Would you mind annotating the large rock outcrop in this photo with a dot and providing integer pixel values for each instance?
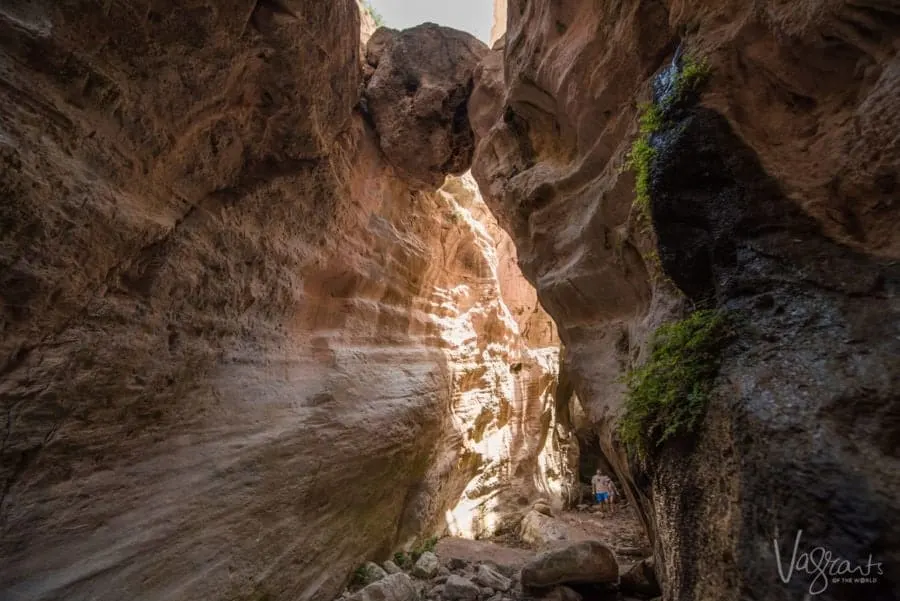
(773, 198)
(240, 355)
(417, 96)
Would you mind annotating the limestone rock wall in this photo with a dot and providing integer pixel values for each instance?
(229, 363)
(773, 198)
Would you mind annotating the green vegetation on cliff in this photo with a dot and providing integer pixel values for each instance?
(689, 78)
(693, 76)
(642, 155)
(667, 395)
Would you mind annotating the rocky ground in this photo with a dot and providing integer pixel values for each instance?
(569, 556)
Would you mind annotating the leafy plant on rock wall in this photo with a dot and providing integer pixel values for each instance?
(690, 77)
(667, 395)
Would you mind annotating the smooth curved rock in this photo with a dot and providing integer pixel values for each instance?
(774, 197)
(586, 562)
(417, 98)
(208, 276)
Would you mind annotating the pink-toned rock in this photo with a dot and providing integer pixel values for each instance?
(223, 314)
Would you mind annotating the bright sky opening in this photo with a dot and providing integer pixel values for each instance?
(474, 16)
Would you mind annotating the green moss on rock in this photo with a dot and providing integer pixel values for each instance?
(690, 78)
(667, 396)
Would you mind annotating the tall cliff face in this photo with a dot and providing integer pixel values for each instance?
(240, 354)
(773, 198)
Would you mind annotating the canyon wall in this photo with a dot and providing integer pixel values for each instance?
(498, 26)
(772, 196)
(240, 354)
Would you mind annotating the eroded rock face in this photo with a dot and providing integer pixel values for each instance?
(770, 199)
(417, 98)
(224, 315)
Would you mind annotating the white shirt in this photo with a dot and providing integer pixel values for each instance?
(601, 483)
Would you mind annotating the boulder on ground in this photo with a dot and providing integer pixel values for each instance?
(426, 566)
(586, 562)
(539, 529)
(562, 593)
(390, 567)
(458, 588)
(641, 579)
(543, 507)
(457, 564)
(394, 587)
(488, 577)
(370, 572)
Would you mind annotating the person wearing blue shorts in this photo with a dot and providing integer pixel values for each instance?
(602, 486)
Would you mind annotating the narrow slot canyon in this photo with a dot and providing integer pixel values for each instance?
(299, 306)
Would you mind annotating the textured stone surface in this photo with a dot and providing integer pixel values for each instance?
(372, 572)
(417, 98)
(458, 588)
(541, 530)
(586, 562)
(775, 198)
(640, 579)
(426, 566)
(223, 315)
(396, 587)
(490, 578)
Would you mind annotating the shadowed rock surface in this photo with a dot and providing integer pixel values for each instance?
(775, 199)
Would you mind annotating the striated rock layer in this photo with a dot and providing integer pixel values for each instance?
(774, 198)
(239, 355)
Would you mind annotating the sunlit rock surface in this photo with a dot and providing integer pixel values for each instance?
(239, 355)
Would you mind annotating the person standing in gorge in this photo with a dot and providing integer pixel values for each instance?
(602, 486)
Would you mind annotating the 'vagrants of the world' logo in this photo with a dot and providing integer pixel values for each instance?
(826, 568)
